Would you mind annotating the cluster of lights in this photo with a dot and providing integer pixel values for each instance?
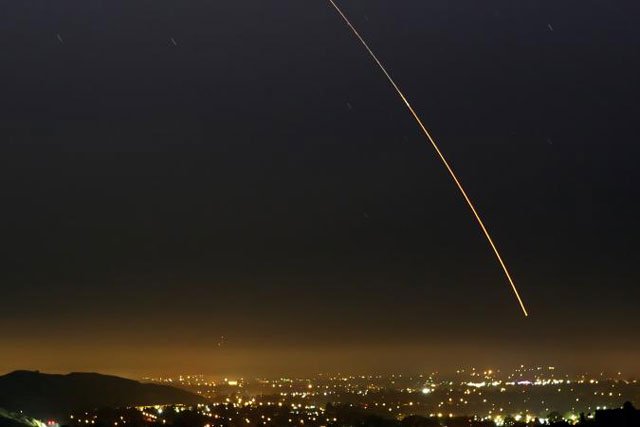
(489, 393)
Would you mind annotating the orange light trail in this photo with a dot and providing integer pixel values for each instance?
(439, 152)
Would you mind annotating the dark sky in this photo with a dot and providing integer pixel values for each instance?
(258, 179)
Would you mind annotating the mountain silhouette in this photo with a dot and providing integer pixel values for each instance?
(55, 396)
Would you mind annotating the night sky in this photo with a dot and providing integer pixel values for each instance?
(172, 172)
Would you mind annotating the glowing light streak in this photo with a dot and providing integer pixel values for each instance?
(439, 153)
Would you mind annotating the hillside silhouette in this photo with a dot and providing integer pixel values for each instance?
(49, 395)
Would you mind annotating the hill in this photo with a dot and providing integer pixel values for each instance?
(49, 395)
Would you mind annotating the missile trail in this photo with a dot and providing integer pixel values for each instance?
(440, 154)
